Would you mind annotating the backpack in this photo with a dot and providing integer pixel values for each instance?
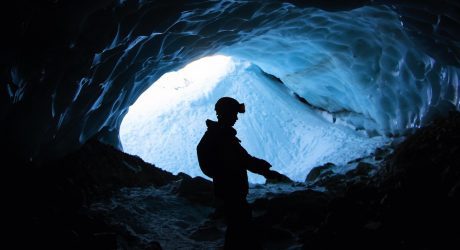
(206, 156)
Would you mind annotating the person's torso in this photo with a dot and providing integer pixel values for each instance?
(227, 159)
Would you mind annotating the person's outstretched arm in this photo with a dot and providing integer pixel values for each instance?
(260, 166)
(257, 165)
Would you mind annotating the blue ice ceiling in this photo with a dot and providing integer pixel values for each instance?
(359, 65)
(362, 66)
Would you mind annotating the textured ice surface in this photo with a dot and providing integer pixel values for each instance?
(359, 65)
(167, 121)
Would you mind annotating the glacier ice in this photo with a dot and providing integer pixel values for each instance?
(167, 121)
(359, 65)
(358, 68)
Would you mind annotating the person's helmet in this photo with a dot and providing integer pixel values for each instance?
(228, 105)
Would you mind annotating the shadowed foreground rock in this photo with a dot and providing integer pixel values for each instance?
(49, 200)
(409, 204)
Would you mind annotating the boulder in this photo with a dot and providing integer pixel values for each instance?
(196, 189)
(362, 169)
(318, 171)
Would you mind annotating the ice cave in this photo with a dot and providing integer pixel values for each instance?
(355, 103)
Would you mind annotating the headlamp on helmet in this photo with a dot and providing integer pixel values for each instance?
(229, 105)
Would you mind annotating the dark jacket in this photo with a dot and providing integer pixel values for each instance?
(222, 158)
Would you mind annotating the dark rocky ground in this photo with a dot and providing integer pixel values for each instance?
(410, 202)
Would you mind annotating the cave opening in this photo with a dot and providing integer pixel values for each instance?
(166, 122)
(323, 81)
(319, 87)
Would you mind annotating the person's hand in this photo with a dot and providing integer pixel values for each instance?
(271, 174)
(275, 177)
(265, 165)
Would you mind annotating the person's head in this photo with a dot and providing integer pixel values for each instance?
(227, 110)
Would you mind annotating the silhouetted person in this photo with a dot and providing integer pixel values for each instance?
(222, 158)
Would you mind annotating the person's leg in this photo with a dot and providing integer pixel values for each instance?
(240, 233)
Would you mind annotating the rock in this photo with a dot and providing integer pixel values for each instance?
(97, 170)
(362, 169)
(356, 160)
(381, 153)
(51, 199)
(278, 238)
(196, 189)
(317, 171)
(332, 182)
(207, 233)
(153, 245)
(275, 177)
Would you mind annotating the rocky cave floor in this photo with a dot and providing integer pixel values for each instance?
(401, 197)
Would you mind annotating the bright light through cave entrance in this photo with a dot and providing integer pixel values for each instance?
(167, 121)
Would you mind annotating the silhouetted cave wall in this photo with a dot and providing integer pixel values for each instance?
(53, 96)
